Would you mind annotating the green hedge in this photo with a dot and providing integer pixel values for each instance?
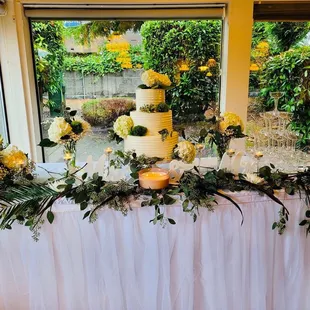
(103, 63)
(286, 72)
(93, 64)
(105, 111)
(48, 39)
(165, 43)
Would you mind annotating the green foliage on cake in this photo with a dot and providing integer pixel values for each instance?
(162, 107)
(148, 108)
(164, 134)
(138, 131)
(152, 108)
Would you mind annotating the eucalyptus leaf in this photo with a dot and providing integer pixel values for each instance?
(50, 217)
(86, 214)
(171, 221)
(303, 223)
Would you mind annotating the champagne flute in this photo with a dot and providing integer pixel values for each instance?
(276, 96)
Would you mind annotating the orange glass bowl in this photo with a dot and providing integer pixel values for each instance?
(154, 178)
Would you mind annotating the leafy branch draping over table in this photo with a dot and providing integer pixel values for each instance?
(30, 202)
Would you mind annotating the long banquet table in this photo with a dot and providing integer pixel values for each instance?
(119, 263)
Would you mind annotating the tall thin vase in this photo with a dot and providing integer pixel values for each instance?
(221, 150)
(70, 154)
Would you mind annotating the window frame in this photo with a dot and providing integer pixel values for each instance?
(5, 125)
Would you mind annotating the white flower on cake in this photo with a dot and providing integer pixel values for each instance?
(123, 125)
(13, 158)
(58, 129)
(186, 151)
(253, 178)
(152, 79)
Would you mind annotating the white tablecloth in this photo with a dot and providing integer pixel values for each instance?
(126, 263)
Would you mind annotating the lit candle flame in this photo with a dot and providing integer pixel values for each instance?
(67, 156)
(108, 150)
(200, 147)
(258, 155)
(231, 152)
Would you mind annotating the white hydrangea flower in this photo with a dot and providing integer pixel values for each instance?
(186, 151)
(253, 178)
(123, 125)
(58, 129)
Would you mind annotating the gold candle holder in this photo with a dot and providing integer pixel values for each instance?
(154, 178)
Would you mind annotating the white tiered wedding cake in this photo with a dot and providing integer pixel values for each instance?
(153, 117)
(160, 139)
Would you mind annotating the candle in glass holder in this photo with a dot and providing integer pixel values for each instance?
(154, 178)
(231, 152)
(200, 147)
(108, 150)
(67, 156)
(258, 155)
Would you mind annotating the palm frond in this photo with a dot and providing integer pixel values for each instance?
(24, 202)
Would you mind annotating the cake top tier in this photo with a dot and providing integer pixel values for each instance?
(149, 97)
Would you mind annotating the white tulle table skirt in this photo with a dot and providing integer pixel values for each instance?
(126, 263)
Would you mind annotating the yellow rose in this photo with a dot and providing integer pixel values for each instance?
(13, 158)
(152, 79)
(230, 119)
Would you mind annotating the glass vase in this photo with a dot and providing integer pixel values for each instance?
(70, 155)
(221, 150)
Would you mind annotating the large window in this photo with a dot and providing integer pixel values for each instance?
(279, 113)
(94, 67)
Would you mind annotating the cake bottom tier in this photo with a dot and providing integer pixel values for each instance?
(152, 146)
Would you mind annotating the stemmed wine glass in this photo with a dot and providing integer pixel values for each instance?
(276, 96)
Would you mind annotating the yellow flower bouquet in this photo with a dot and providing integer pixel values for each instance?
(14, 165)
(221, 129)
(67, 131)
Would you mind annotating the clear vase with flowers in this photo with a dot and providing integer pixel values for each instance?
(67, 131)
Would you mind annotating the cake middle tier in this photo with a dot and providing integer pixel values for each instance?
(154, 122)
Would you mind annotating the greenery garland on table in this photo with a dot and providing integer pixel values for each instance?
(29, 202)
